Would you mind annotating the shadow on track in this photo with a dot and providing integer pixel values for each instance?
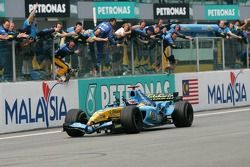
(121, 132)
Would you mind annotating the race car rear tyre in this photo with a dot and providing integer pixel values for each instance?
(183, 114)
(131, 119)
(74, 115)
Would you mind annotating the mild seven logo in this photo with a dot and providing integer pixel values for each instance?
(33, 110)
(232, 92)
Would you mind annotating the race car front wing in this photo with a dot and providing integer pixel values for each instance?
(88, 129)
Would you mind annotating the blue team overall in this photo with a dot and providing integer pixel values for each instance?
(30, 29)
(222, 32)
(106, 32)
(5, 58)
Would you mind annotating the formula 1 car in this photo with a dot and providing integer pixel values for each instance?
(131, 115)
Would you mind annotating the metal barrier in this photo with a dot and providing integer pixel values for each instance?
(34, 61)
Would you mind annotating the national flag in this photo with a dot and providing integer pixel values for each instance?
(190, 91)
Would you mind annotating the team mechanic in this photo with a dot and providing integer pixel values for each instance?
(65, 50)
(104, 30)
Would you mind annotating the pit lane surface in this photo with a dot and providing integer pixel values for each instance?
(216, 139)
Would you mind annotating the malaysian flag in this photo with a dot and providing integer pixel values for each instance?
(190, 91)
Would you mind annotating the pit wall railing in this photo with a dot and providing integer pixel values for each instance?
(34, 61)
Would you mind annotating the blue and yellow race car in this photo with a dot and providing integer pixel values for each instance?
(132, 115)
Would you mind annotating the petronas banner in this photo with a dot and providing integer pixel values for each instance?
(119, 10)
(171, 11)
(48, 8)
(221, 12)
(2, 8)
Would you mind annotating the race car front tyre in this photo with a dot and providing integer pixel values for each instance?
(74, 115)
(183, 114)
(131, 119)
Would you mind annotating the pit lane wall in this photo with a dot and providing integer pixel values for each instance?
(35, 105)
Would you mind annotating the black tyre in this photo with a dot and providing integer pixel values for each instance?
(131, 119)
(74, 115)
(183, 114)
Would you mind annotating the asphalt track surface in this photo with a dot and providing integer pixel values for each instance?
(216, 139)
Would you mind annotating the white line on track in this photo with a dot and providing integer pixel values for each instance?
(196, 115)
(29, 135)
(221, 112)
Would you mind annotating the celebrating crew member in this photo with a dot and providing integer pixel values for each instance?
(67, 49)
(168, 41)
(104, 30)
